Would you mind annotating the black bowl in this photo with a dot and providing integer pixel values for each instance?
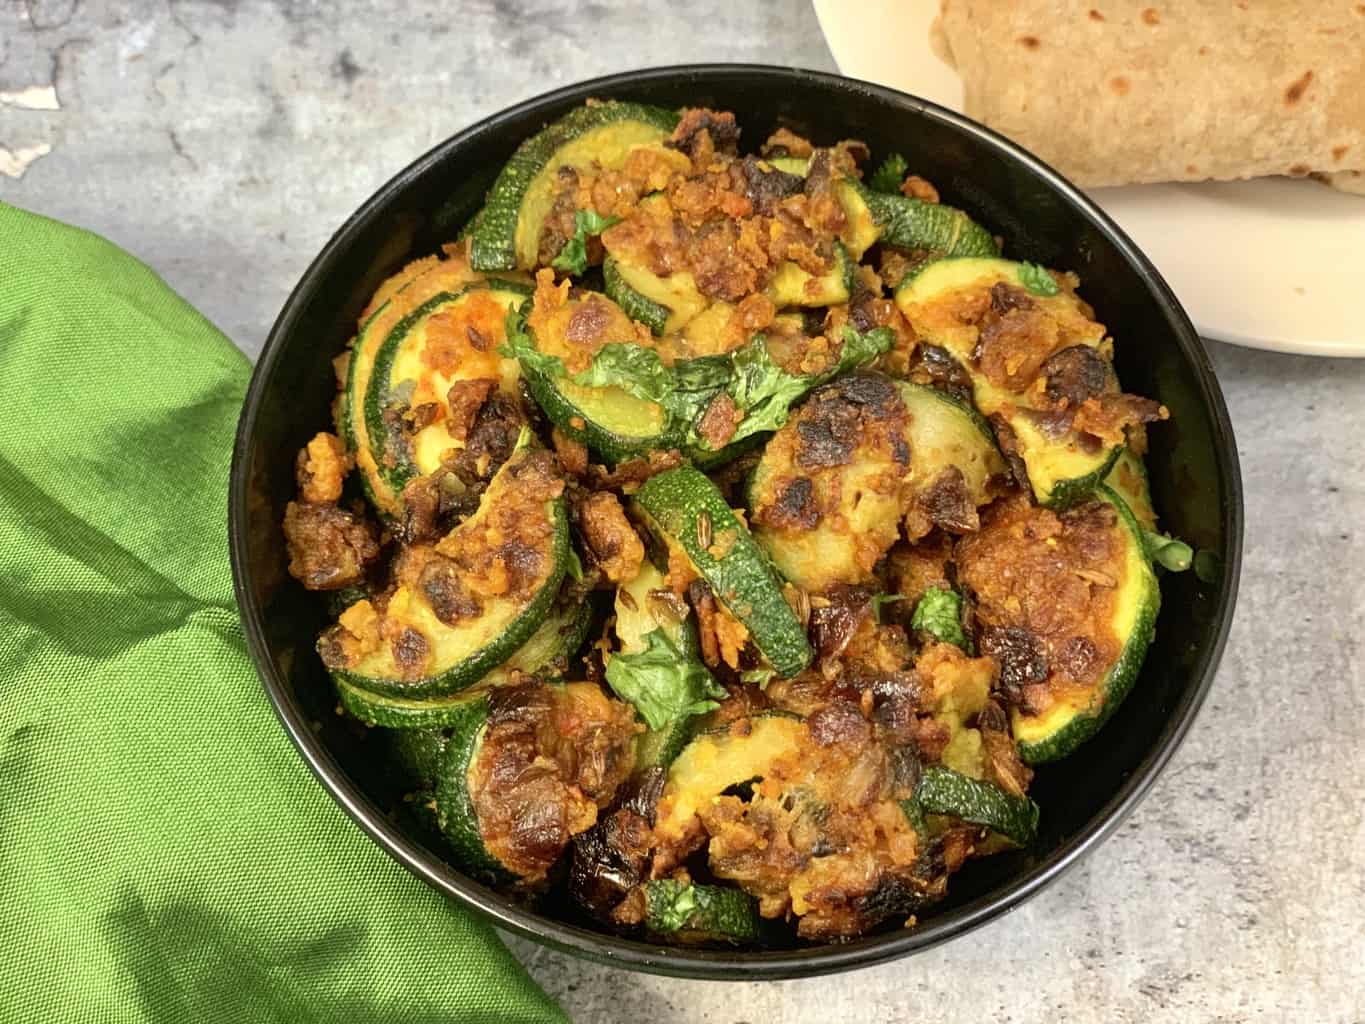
(1193, 464)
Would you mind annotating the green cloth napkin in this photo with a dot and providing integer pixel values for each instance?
(164, 853)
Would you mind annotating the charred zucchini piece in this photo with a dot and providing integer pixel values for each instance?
(507, 235)
(1074, 719)
(658, 668)
(453, 336)
(826, 515)
(690, 520)
(444, 658)
(692, 914)
(474, 777)
(1064, 468)
(546, 654)
(826, 506)
(1123, 591)
(943, 791)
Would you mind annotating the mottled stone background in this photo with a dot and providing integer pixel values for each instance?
(224, 141)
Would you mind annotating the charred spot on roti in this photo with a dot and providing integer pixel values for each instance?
(1120, 85)
(1151, 16)
(1096, 15)
(1338, 152)
(1297, 88)
(1029, 42)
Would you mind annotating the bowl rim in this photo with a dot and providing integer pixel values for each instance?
(734, 964)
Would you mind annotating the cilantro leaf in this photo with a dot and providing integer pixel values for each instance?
(762, 389)
(671, 904)
(939, 613)
(888, 177)
(520, 347)
(663, 685)
(1168, 552)
(573, 258)
(861, 347)
(1037, 279)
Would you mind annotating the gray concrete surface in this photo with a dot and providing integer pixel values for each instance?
(224, 141)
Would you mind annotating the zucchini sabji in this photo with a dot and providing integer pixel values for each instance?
(1035, 367)
(1067, 603)
(453, 336)
(463, 607)
(507, 234)
(691, 521)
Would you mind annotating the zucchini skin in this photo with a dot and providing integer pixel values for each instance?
(743, 580)
(943, 791)
(439, 712)
(653, 315)
(493, 238)
(908, 223)
(377, 492)
(473, 668)
(455, 813)
(1118, 682)
(720, 914)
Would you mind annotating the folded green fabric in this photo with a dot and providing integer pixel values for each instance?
(164, 853)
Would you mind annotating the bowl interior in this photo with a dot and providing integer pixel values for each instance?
(1192, 464)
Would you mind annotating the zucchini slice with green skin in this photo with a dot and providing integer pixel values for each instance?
(689, 517)
(1069, 723)
(507, 235)
(663, 304)
(405, 375)
(545, 654)
(1128, 479)
(829, 524)
(792, 286)
(900, 221)
(458, 656)
(943, 791)
(688, 914)
(911, 224)
(455, 812)
(1061, 470)
(614, 424)
(577, 711)
(406, 290)
(715, 761)
(641, 611)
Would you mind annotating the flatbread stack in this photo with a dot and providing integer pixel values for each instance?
(1118, 92)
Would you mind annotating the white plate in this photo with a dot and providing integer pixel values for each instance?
(1270, 263)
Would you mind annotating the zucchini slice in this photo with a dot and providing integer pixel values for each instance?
(536, 721)
(404, 292)
(691, 914)
(715, 761)
(911, 224)
(645, 606)
(613, 423)
(689, 518)
(900, 221)
(507, 235)
(666, 305)
(545, 654)
(944, 791)
(792, 286)
(826, 516)
(424, 354)
(1073, 712)
(531, 526)
(1062, 469)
